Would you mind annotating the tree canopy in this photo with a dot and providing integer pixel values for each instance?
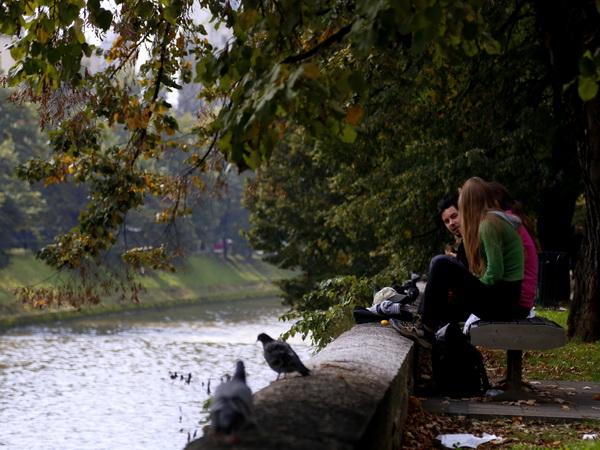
(372, 109)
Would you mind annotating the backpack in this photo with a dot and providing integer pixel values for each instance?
(457, 366)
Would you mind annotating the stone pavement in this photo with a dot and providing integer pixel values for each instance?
(564, 400)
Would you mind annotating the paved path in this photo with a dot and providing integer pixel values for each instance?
(571, 400)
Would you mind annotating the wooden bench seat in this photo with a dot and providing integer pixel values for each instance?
(516, 336)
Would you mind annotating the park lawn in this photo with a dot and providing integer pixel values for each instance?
(576, 361)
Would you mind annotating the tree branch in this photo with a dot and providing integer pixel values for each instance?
(335, 37)
(159, 74)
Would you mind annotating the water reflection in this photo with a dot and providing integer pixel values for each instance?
(106, 383)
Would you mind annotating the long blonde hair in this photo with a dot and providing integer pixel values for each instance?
(475, 200)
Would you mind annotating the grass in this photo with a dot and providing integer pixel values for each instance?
(200, 277)
(422, 427)
(576, 361)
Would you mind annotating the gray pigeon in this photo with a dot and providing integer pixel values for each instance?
(231, 407)
(280, 357)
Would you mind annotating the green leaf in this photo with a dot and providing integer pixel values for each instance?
(77, 31)
(491, 46)
(587, 68)
(225, 142)
(144, 9)
(587, 88)
(68, 13)
(172, 13)
(104, 19)
(348, 134)
(17, 52)
(99, 16)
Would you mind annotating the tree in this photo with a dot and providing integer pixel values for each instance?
(374, 201)
(288, 66)
(572, 39)
(20, 206)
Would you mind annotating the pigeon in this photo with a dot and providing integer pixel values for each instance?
(231, 408)
(280, 357)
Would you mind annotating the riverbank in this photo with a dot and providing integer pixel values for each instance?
(202, 278)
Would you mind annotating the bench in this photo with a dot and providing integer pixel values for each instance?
(516, 336)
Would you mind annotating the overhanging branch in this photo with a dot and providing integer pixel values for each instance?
(335, 37)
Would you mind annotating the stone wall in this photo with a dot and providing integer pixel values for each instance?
(355, 398)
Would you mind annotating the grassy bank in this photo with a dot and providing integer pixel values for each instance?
(200, 278)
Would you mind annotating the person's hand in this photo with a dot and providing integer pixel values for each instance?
(449, 251)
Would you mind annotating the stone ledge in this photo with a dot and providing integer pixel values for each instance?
(355, 397)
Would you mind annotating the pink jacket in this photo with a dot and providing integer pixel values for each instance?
(530, 277)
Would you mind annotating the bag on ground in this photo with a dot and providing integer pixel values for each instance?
(457, 366)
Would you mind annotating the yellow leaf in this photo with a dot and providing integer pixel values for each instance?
(311, 71)
(41, 35)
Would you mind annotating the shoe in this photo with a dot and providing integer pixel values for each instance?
(415, 333)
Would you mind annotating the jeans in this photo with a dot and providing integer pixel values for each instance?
(453, 293)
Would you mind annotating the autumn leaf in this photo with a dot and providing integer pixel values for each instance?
(354, 114)
(311, 71)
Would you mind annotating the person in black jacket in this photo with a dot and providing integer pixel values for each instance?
(448, 214)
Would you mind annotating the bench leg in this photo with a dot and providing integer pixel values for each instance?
(514, 369)
(514, 379)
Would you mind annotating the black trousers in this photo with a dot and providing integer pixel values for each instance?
(453, 293)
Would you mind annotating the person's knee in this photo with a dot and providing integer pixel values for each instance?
(440, 261)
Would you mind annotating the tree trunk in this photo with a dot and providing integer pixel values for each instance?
(584, 319)
(558, 197)
(569, 28)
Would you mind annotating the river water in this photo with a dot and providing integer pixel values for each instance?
(108, 383)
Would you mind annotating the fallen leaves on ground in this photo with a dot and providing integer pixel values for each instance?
(422, 427)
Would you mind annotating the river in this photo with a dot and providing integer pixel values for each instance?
(108, 382)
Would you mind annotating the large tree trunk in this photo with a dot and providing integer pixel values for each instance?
(584, 319)
(563, 184)
(555, 231)
(568, 28)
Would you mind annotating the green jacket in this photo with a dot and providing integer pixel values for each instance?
(502, 249)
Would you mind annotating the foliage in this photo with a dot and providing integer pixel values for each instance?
(261, 74)
(34, 215)
(326, 311)
(400, 101)
(589, 68)
(20, 206)
(368, 208)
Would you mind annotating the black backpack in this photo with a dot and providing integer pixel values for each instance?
(457, 366)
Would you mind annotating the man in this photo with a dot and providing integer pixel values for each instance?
(447, 211)
(448, 214)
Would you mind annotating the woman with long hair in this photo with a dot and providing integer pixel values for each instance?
(490, 288)
(530, 246)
